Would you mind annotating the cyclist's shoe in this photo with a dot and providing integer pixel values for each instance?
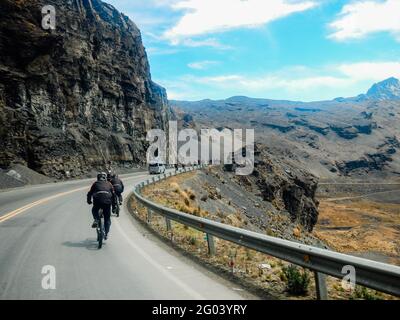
(105, 236)
(94, 225)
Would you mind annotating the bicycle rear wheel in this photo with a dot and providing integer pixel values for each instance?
(100, 229)
(100, 235)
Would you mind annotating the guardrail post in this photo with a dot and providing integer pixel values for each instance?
(168, 224)
(149, 215)
(320, 286)
(211, 244)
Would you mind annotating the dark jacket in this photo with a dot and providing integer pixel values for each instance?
(102, 193)
(118, 185)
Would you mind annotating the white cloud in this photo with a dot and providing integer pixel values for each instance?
(361, 18)
(174, 95)
(294, 83)
(220, 79)
(371, 70)
(202, 65)
(209, 42)
(306, 78)
(155, 51)
(146, 20)
(272, 81)
(209, 16)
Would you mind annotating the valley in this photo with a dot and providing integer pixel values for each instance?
(356, 138)
(349, 145)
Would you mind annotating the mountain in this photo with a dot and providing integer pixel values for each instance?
(388, 89)
(345, 137)
(78, 97)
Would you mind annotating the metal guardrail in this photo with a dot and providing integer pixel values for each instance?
(379, 276)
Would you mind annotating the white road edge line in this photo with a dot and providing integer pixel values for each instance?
(161, 268)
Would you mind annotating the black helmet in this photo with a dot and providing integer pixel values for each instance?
(102, 176)
(109, 174)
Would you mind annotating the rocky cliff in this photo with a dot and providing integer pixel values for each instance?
(287, 187)
(77, 97)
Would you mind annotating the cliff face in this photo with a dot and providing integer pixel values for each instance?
(78, 97)
(288, 187)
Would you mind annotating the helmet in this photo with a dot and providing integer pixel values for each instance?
(109, 174)
(102, 176)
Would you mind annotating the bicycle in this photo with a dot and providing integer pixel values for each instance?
(117, 208)
(100, 229)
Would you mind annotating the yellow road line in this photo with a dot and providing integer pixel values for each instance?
(36, 203)
(16, 212)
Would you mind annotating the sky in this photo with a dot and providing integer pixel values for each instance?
(302, 50)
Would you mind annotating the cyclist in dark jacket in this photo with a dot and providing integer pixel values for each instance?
(118, 186)
(102, 193)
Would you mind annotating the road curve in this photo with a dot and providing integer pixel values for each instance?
(50, 225)
(361, 196)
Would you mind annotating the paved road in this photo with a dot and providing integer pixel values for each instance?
(362, 196)
(50, 225)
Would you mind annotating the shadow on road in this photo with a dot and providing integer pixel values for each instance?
(89, 244)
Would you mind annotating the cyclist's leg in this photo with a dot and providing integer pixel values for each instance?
(107, 218)
(119, 194)
(114, 203)
(95, 213)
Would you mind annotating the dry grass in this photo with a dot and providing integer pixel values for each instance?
(371, 227)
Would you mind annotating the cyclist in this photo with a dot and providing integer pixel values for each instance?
(118, 186)
(109, 175)
(103, 194)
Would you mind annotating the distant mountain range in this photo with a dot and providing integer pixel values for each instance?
(357, 137)
(388, 89)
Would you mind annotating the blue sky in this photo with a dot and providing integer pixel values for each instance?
(280, 49)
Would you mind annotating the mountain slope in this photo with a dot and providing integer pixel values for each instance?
(78, 97)
(343, 137)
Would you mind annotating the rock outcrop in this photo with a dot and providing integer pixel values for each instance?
(287, 187)
(77, 97)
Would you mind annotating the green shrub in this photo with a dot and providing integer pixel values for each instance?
(297, 282)
(364, 293)
(193, 241)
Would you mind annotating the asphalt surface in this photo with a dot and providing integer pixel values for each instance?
(49, 225)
